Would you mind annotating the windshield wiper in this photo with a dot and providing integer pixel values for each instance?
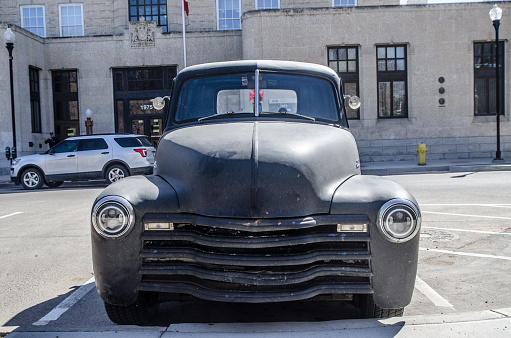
(312, 119)
(229, 113)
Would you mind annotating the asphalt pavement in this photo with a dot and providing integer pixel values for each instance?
(487, 323)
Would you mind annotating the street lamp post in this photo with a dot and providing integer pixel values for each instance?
(88, 122)
(495, 15)
(9, 44)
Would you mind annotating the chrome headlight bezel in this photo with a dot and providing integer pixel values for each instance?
(119, 206)
(406, 207)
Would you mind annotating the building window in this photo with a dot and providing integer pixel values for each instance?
(485, 78)
(344, 60)
(268, 4)
(344, 3)
(32, 19)
(65, 103)
(229, 14)
(71, 20)
(155, 10)
(133, 89)
(35, 99)
(392, 81)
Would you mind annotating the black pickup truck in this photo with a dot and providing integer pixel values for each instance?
(256, 196)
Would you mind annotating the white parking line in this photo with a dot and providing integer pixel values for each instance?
(466, 254)
(13, 214)
(464, 215)
(66, 303)
(432, 295)
(500, 205)
(466, 230)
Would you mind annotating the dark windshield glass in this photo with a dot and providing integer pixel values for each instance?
(278, 93)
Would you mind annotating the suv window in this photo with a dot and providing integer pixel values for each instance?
(92, 144)
(128, 142)
(145, 142)
(66, 146)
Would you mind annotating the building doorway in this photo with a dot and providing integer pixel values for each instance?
(65, 103)
(133, 89)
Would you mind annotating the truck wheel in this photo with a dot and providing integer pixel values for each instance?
(115, 173)
(54, 184)
(31, 179)
(142, 312)
(371, 310)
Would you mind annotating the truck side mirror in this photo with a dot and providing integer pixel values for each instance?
(159, 102)
(353, 101)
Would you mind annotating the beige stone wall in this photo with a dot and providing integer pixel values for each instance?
(377, 2)
(97, 57)
(94, 58)
(98, 15)
(440, 44)
(112, 17)
(439, 38)
(28, 50)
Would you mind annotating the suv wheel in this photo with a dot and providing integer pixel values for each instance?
(115, 173)
(31, 179)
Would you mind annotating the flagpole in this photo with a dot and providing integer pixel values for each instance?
(184, 33)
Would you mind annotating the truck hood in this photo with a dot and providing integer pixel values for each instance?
(257, 169)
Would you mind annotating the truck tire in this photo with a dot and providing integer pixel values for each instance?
(371, 310)
(142, 312)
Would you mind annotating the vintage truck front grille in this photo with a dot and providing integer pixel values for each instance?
(256, 260)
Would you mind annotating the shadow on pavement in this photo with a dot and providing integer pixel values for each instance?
(11, 188)
(197, 311)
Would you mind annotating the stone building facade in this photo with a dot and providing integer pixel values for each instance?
(425, 73)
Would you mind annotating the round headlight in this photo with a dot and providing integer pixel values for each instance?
(399, 220)
(113, 217)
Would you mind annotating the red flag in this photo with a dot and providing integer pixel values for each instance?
(185, 5)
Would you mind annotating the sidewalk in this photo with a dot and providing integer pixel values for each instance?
(455, 165)
(407, 167)
(488, 323)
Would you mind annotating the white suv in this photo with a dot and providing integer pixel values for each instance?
(112, 157)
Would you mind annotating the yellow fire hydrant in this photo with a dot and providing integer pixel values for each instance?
(422, 153)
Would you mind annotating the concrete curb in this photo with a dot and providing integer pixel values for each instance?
(488, 323)
(485, 323)
(396, 169)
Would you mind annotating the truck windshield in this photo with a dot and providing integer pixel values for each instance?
(234, 95)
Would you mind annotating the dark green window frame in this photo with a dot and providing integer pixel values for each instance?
(345, 61)
(151, 10)
(485, 76)
(392, 83)
(35, 99)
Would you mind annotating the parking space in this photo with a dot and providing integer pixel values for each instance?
(465, 248)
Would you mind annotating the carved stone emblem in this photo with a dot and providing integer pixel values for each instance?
(142, 33)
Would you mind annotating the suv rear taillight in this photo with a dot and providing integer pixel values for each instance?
(141, 151)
